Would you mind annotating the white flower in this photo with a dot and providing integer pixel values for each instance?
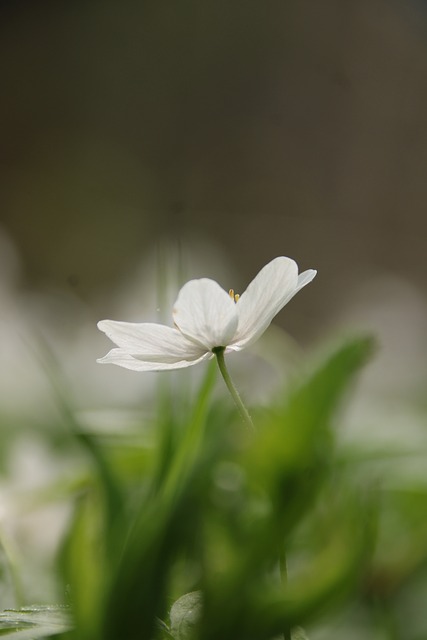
(206, 318)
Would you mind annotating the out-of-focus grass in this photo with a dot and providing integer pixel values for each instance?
(186, 501)
(213, 512)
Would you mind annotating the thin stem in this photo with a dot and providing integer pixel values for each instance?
(12, 562)
(219, 352)
(287, 634)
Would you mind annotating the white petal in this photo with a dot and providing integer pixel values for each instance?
(122, 358)
(205, 313)
(151, 342)
(305, 278)
(266, 295)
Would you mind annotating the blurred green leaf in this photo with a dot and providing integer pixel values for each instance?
(84, 564)
(328, 571)
(294, 449)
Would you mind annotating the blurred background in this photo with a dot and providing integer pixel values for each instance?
(231, 132)
(294, 128)
(225, 134)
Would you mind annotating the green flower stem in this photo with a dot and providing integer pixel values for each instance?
(219, 352)
(287, 634)
(12, 563)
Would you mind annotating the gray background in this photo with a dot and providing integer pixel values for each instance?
(281, 127)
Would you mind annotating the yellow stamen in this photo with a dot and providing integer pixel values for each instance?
(233, 296)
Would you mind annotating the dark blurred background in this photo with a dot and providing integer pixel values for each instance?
(291, 127)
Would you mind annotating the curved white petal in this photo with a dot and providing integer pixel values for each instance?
(151, 342)
(266, 295)
(305, 278)
(122, 358)
(205, 313)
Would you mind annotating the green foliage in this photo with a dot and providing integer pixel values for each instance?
(84, 565)
(295, 448)
(215, 532)
(285, 466)
(221, 505)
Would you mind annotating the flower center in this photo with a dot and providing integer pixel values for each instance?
(233, 296)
